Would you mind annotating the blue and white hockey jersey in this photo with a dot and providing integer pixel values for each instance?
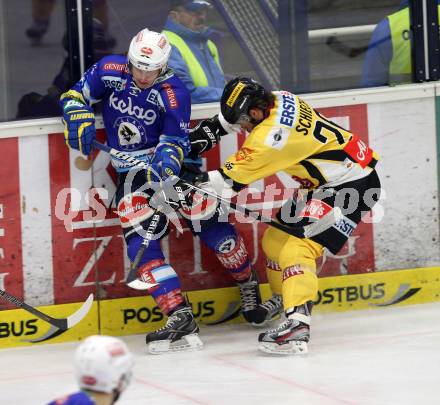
(79, 398)
(135, 120)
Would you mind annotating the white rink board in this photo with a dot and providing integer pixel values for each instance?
(401, 127)
(403, 133)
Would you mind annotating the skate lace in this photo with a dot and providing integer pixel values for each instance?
(280, 327)
(272, 304)
(170, 323)
(248, 295)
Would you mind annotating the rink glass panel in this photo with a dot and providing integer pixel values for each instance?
(27, 65)
(327, 61)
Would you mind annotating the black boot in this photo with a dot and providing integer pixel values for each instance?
(250, 297)
(267, 310)
(180, 333)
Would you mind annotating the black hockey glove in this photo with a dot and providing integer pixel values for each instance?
(170, 195)
(205, 135)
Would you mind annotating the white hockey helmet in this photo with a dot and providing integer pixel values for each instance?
(104, 364)
(149, 50)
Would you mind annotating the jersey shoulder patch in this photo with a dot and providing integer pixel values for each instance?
(276, 137)
(174, 93)
(113, 65)
(170, 95)
(112, 71)
(286, 109)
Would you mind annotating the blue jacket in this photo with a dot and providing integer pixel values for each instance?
(197, 42)
(379, 54)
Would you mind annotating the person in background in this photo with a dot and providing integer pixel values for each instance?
(34, 105)
(41, 14)
(103, 369)
(194, 57)
(388, 57)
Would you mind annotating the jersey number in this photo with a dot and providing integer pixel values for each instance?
(331, 130)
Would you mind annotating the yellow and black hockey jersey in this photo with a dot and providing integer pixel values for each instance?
(298, 140)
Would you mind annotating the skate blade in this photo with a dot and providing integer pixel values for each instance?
(185, 344)
(295, 347)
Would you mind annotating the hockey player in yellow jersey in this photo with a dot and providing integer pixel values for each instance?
(334, 168)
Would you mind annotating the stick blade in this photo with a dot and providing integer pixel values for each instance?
(77, 317)
(69, 322)
(140, 285)
(50, 334)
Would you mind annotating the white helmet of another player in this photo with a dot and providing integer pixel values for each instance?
(104, 364)
(149, 50)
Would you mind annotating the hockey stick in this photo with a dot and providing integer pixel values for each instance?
(132, 280)
(58, 325)
(306, 231)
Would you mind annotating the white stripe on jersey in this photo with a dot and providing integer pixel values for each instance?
(337, 173)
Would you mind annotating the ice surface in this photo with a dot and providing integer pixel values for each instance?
(385, 356)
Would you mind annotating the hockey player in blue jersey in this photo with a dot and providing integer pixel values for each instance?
(146, 112)
(103, 368)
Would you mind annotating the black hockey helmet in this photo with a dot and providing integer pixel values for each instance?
(239, 95)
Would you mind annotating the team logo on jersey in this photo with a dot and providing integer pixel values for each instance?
(134, 208)
(184, 126)
(171, 95)
(114, 82)
(359, 151)
(125, 106)
(315, 209)
(118, 67)
(346, 226)
(155, 98)
(226, 245)
(292, 271)
(134, 90)
(130, 132)
(277, 138)
(232, 252)
(244, 154)
(287, 110)
(273, 265)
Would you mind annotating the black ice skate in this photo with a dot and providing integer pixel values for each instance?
(250, 297)
(291, 336)
(267, 310)
(179, 334)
